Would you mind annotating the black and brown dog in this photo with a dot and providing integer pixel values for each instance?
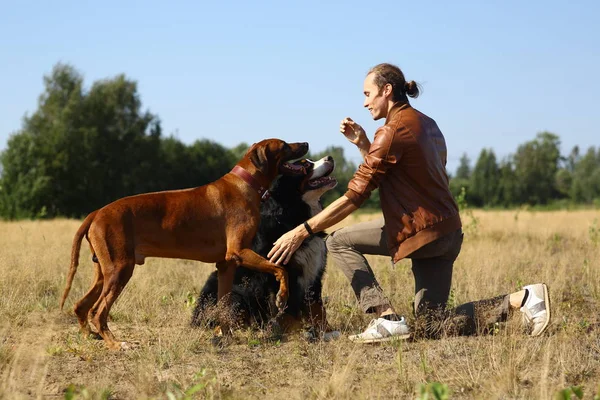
(294, 199)
(214, 223)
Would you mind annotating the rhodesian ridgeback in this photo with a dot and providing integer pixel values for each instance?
(214, 223)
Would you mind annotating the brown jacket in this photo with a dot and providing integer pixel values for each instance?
(407, 161)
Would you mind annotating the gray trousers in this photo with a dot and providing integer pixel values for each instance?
(432, 269)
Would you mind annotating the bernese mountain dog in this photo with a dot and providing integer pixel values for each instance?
(293, 200)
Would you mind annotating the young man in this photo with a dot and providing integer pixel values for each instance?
(406, 161)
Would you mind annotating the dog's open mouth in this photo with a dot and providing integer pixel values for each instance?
(298, 168)
(320, 177)
(321, 182)
(289, 168)
(315, 173)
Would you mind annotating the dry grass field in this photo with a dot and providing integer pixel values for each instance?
(42, 354)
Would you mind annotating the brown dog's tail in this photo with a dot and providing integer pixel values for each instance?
(81, 232)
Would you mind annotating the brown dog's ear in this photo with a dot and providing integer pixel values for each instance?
(259, 157)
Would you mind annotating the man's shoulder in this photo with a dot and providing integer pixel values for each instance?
(412, 121)
(400, 124)
(410, 115)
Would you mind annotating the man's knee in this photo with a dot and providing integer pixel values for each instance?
(334, 242)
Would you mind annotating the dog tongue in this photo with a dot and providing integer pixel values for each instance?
(293, 167)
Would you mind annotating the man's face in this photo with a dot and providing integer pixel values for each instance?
(376, 100)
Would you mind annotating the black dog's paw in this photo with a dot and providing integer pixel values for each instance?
(218, 341)
(274, 330)
(311, 335)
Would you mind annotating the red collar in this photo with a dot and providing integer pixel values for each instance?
(263, 192)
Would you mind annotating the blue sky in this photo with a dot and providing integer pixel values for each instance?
(493, 73)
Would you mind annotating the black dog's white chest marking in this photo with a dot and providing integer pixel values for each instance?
(312, 259)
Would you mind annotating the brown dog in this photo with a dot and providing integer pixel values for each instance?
(214, 223)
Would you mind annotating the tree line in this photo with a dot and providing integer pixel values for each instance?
(84, 148)
(536, 174)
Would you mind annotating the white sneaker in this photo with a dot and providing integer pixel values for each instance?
(536, 310)
(382, 330)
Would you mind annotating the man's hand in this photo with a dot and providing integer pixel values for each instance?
(286, 245)
(354, 133)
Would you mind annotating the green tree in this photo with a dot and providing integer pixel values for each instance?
(79, 150)
(564, 175)
(175, 168)
(464, 168)
(182, 166)
(121, 141)
(485, 179)
(209, 161)
(462, 179)
(507, 194)
(456, 186)
(24, 184)
(536, 164)
(239, 151)
(586, 177)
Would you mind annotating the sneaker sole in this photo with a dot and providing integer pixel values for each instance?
(381, 340)
(547, 301)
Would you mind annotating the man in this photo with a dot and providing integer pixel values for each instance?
(406, 161)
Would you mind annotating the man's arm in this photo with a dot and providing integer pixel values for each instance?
(364, 148)
(287, 244)
(334, 213)
(377, 161)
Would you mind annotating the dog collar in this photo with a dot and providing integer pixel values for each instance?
(263, 192)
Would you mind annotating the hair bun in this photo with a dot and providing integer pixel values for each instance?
(412, 89)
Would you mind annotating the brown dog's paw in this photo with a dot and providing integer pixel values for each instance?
(116, 346)
(124, 346)
(281, 300)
